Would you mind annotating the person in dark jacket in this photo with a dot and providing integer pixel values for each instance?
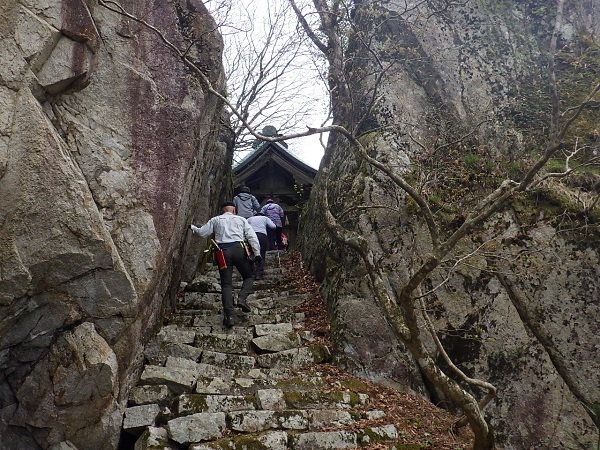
(246, 204)
(274, 212)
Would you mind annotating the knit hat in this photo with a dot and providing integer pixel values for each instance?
(245, 189)
(269, 200)
(227, 204)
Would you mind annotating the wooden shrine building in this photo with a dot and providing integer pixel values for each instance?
(271, 171)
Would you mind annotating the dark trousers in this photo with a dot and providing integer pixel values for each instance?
(275, 238)
(263, 240)
(235, 256)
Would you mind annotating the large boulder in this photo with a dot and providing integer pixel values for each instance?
(525, 319)
(109, 148)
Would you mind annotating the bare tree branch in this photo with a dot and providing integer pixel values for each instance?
(488, 387)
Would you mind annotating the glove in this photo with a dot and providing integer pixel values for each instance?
(194, 228)
(257, 259)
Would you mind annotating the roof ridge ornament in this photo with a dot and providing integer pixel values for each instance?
(270, 131)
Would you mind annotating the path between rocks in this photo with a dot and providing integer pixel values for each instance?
(254, 386)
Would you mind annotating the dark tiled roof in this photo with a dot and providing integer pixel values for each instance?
(278, 152)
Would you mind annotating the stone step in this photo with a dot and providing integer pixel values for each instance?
(257, 317)
(157, 383)
(267, 305)
(223, 342)
(211, 379)
(319, 409)
(228, 360)
(198, 305)
(202, 312)
(175, 334)
(277, 342)
(196, 427)
(241, 382)
(149, 393)
(205, 282)
(336, 399)
(211, 288)
(295, 358)
(272, 270)
(156, 437)
(188, 342)
(256, 421)
(180, 375)
(208, 282)
(271, 328)
(200, 301)
(275, 301)
(270, 440)
(184, 321)
(158, 353)
(323, 440)
(302, 382)
(225, 385)
(199, 403)
(137, 418)
(212, 318)
(170, 361)
(280, 292)
(178, 380)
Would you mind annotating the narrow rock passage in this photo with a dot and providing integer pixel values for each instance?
(257, 385)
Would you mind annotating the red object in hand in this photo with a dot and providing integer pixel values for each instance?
(221, 259)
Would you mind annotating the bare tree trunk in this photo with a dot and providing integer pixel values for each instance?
(402, 317)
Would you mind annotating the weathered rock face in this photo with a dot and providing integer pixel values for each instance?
(106, 142)
(452, 72)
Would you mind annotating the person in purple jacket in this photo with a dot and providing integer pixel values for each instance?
(261, 224)
(274, 212)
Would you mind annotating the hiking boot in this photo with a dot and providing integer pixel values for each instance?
(228, 322)
(244, 306)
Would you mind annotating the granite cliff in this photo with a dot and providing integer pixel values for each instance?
(460, 98)
(108, 150)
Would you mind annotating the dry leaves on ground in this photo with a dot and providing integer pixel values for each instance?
(417, 420)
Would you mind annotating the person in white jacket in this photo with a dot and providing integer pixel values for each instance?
(230, 233)
(260, 224)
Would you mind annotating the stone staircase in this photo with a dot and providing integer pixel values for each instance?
(257, 385)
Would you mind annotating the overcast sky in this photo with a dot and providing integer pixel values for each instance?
(308, 149)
